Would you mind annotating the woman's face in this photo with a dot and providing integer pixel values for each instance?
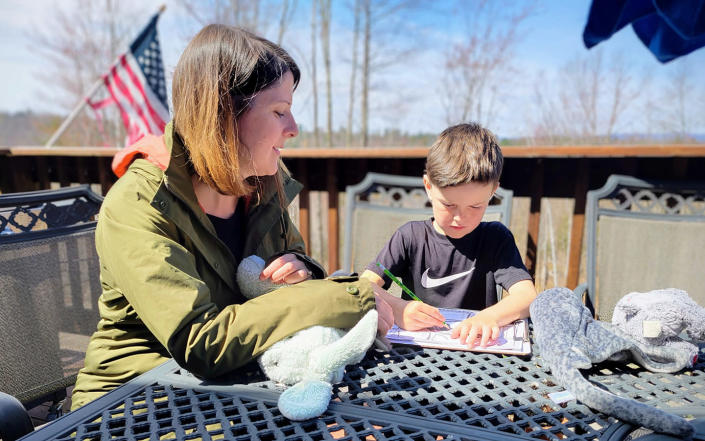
(264, 128)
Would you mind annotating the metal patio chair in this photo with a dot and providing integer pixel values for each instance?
(381, 203)
(49, 285)
(643, 235)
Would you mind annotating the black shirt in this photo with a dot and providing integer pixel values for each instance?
(453, 273)
(232, 230)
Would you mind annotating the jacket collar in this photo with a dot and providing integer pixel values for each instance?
(261, 218)
(178, 179)
(169, 154)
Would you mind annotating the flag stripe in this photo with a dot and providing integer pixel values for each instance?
(123, 114)
(124, 83)
(131, 99)
(134, 72)
(136, 84)
(125, 103)
(156, 108)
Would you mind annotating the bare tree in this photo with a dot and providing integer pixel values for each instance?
(686, 110)
(353, 73)
(622, 94)
(79, 44)
(586, 76)
(364, 116)
(478, 65)
(324, 6)
(243, 13)
(253, 15)
(288, 9)
(314, 79)
(383, 21)
(588, 102)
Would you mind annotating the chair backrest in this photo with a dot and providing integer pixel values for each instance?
(644, 235)
(377, 206)
(49, 286)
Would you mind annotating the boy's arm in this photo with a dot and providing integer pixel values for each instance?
(486, 323)
(411, 315)
(515, 305)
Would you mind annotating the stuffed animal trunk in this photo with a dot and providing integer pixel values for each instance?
(569, 340)
(311, 360)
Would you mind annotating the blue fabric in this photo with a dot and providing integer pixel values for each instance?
(669, 28)
(147, 52)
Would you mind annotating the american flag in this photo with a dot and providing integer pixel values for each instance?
(136, 84)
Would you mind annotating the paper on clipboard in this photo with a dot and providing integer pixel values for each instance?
(514, 338)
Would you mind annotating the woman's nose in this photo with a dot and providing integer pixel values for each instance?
(292, 130)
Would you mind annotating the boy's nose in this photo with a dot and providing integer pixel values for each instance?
(460, 216)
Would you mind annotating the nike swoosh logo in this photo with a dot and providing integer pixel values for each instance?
(428, 282)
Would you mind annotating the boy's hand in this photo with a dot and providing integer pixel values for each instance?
(414, 315)
(483, 326)
(411, 315)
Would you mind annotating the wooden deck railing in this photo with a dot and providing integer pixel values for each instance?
(535, 172)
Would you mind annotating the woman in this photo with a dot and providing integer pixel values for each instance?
(189, 206)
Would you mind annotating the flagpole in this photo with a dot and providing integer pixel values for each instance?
(74, 113)
(69, 119)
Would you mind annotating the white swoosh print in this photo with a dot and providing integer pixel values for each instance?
(428, 282)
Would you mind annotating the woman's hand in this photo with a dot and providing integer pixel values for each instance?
(385, 317)
(483, 326)
(286, 269)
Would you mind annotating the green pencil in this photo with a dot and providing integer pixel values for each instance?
(398, 282)
(403, 287)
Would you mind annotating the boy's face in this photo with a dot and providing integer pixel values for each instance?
(458, 210)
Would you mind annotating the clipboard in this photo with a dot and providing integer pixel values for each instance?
(514, 337)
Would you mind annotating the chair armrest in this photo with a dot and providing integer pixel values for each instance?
(14, 419)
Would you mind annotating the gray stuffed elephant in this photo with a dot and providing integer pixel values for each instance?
(569, 339)
(658, 317)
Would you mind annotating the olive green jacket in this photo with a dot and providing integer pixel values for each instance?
(169, 287)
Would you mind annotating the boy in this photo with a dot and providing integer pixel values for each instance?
(454, 260)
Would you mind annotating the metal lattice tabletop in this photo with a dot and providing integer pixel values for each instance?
(406, 394)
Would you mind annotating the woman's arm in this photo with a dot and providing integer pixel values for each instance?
(142, 258)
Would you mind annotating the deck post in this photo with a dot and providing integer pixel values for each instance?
(332, 186)
(532, 237)
(578, 225)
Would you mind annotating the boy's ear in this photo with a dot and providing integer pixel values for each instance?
(496, 186)
(427, 185)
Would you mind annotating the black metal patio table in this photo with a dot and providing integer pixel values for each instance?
(409, 393)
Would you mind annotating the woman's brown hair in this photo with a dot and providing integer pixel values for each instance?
(218, 75)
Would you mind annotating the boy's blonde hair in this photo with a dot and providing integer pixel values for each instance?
(462, 154)
(219, 74)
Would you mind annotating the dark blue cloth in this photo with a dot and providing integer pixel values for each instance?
(452, 273)
(232, 230)
(669, 28)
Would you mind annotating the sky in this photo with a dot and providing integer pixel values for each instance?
(406, 94)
